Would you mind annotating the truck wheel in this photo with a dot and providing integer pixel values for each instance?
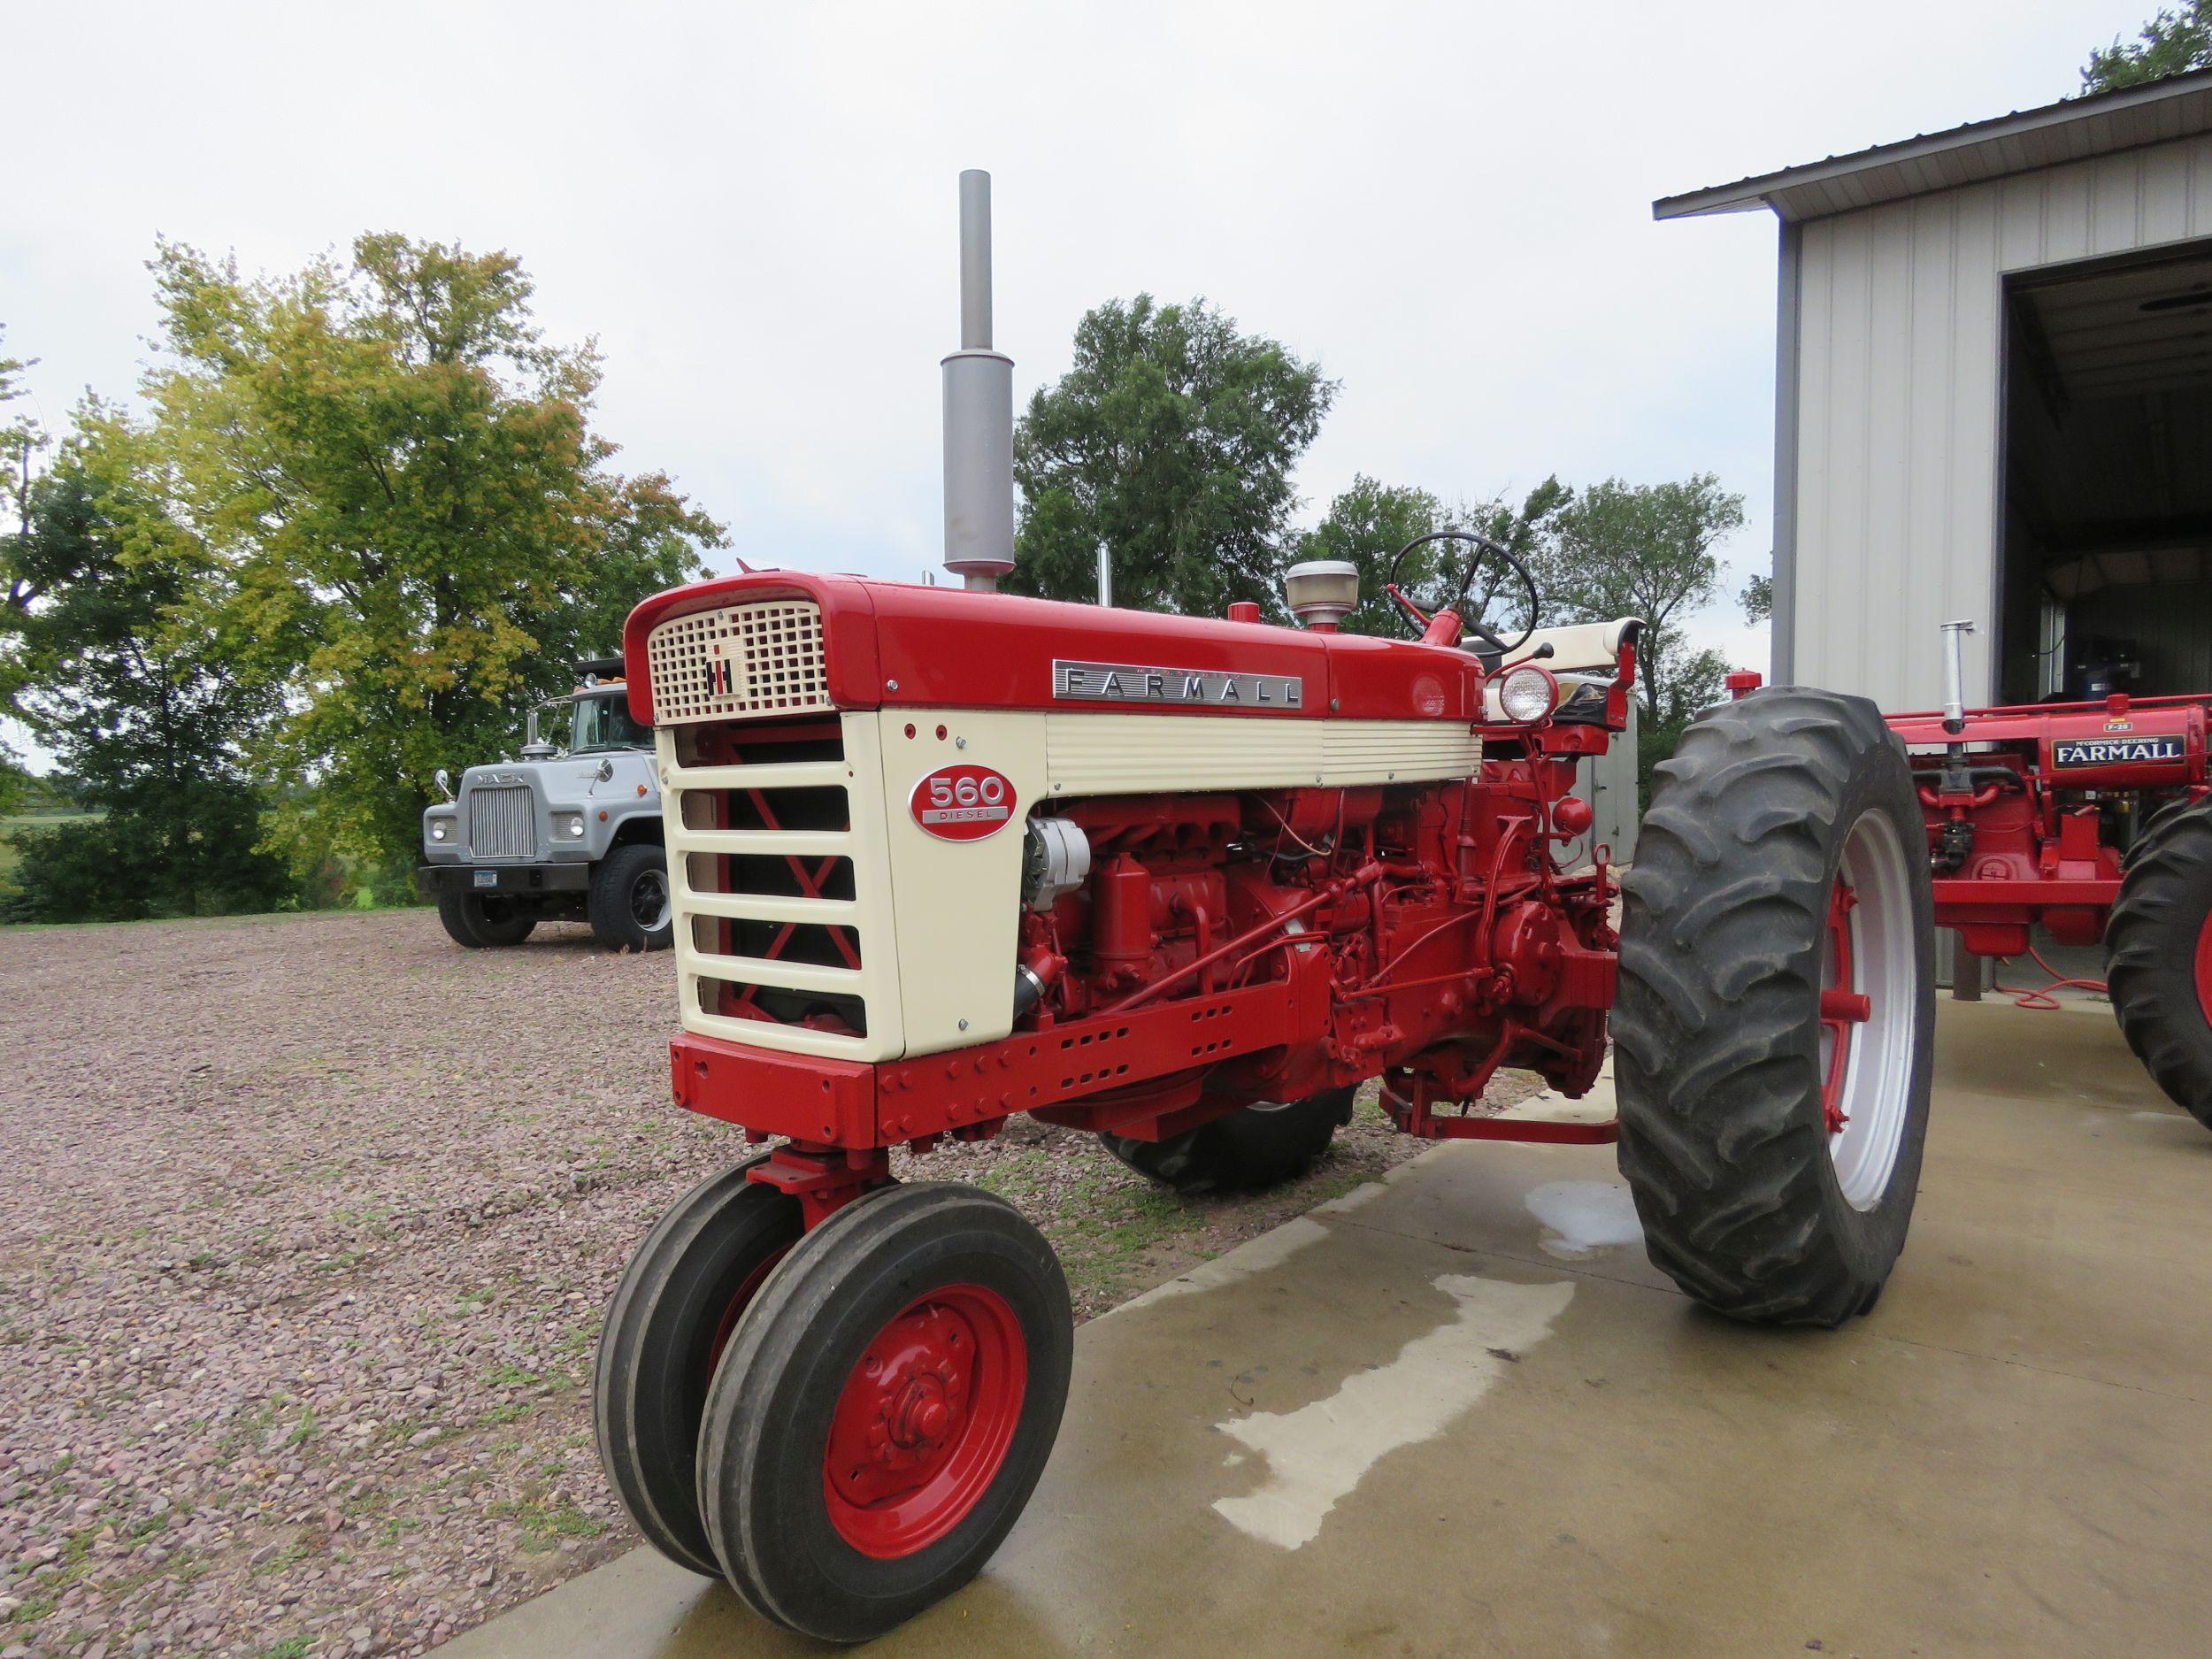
(480, 923)
(885, 1410)
(628, 902)
(2158, 950)
(1254, 1147)
(667, 1326)
(1775, 1027)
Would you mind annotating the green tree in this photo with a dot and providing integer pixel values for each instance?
(122, 680)
(1370, 522)
(1169, 443)
(2171, 44)
(1367, 525)
(397, 508)
(20, 439)
(1647, 550)
(1757, 599)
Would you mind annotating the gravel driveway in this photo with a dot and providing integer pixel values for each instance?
(306, 1224)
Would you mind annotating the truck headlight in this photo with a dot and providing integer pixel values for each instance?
(441, 829)
(570, 825)
(1527, 693)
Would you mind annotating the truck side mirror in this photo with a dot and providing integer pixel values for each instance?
(444, 782)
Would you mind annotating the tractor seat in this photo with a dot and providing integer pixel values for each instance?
(1577, 647)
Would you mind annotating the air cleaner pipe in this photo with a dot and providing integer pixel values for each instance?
(1955, 676)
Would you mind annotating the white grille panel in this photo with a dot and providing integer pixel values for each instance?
(703, 896)
(761, 659)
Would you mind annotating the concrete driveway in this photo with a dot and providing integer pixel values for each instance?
(1460, 1414)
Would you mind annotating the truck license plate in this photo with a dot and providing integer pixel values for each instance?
(486, 877)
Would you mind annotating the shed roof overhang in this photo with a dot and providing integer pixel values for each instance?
(2074, 129)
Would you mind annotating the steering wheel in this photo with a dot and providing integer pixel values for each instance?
(1480, 629)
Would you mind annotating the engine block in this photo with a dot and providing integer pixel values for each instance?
(938, 858)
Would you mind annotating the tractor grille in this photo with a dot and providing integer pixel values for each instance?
(777, 873)
(503, 822)
(762, 658)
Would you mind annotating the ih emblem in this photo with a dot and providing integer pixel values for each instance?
(963, 802)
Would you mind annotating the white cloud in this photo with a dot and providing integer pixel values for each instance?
(752, 207)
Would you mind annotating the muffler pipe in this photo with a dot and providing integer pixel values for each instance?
(978, 413)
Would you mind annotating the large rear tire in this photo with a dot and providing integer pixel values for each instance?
(482, 924)
(2158, 946)
(668, 1324)
(1775, 1027)
(885, 1409)
(1258, 1145)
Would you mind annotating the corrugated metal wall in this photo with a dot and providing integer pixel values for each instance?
(2171, 626)
(1900, 325)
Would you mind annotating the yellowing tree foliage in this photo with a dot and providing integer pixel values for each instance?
(405, 527)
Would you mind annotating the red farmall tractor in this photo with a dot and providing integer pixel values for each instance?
(940, 857)
(2093, 819)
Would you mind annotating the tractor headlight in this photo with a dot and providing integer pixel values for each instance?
(441, 829)
(568, 826)
(1527, 693)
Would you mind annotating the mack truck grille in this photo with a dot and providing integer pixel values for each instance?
(777, 874)
(503, 822)
(748, 660)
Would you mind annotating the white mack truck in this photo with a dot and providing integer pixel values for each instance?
(562, 834)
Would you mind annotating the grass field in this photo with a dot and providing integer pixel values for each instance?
(9, 825)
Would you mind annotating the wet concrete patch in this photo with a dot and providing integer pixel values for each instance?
(1585, 1217)
(1319, 1453)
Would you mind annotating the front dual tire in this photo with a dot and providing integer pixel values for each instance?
(843, 1424)
(666, 1329)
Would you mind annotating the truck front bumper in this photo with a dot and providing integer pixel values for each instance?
(513, 880)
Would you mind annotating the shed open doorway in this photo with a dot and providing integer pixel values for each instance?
(2104, 565)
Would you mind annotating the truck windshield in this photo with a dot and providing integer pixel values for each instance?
(604, 722)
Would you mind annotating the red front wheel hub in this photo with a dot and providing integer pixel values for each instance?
(924, 1422)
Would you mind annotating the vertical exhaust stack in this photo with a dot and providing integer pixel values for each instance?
(978, 413)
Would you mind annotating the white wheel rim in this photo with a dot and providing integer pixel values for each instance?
(1877, 1092)
(648, 901)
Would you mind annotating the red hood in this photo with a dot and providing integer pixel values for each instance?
(948, 648)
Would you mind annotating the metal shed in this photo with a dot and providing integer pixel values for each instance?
(1993, 400)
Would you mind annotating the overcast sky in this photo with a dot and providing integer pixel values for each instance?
(753, 208)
